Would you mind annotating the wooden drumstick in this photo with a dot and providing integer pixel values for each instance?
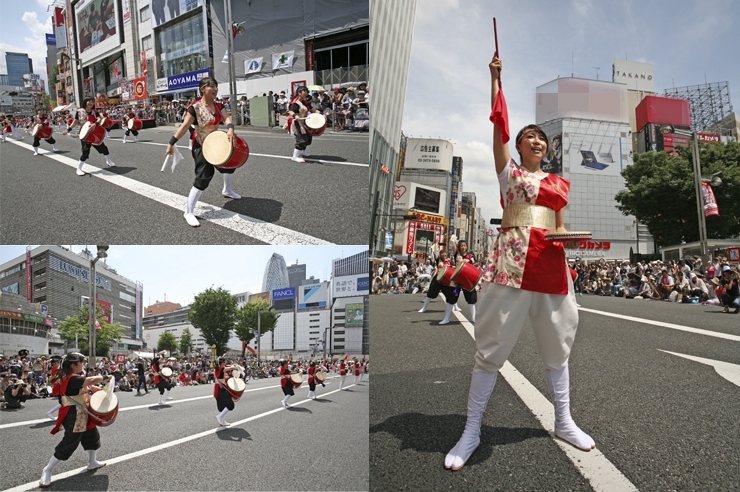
(166, 160)
(496, 53)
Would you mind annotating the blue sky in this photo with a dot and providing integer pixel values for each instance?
(22, 29)
(687, 42)
(180, 272)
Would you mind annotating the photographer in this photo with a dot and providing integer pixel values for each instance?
(731, 294)
(16, 394)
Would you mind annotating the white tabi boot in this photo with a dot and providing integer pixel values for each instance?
(227, 191)
(481, 386)
(136, 139)
(472, 312)
(79, 171)
(457, 308)
(285, 401)
(35, 151)
(124, 139)
(426, 304)
(161, 401)
(448, 311)
(109, 162)
(50, 413)
(303, 153)
(46, 473)
(93, 463)
(167, 395)
(297, 156)
(54, 148)
(190, 208)
(221, 418)
(565, 428)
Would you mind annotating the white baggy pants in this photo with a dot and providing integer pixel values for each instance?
(502, 312)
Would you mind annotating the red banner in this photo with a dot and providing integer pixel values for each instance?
(140, 88)
(29, 294)
(411, 238)
(709, 137)
(58, 17)
(107, 309)
(710, 202)
(143, 63)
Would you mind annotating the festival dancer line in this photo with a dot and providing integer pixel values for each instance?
(529, 277)
(285, 382)
(205, 114)
(43, 120)
(88, 113)
(224, 402)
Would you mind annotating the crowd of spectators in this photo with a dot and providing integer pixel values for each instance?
(685, 281)
(25, 378)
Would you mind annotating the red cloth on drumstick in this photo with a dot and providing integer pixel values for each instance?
(500, 116)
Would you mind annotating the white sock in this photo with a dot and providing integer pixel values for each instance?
(46, 473)
(472, 312)
(190, 208)
(297, 156)
(79, 171)
(54, 148)
(424, 307)
(35, 151)
(565, 428)
(109, 162)
(448, 311)
(124, 139)
(457, 308)
(167, 395)
(93, 462)
(50, 413)
(227, 191)
(136, 139)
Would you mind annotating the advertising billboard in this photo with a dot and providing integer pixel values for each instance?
(600, 147)
(571, 97)
(166, 10)
(637, 76)
(351, 285)
(353, 314)
(181, 81)
(97, 27)
(313, 296)
(553, 161)
(408, 195)
(51, 39)
(428, 153)
(663, 111)
(283, 299)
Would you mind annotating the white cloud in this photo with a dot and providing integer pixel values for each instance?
(34, 45)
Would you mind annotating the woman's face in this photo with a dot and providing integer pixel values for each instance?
(532, 145)
(462, 248)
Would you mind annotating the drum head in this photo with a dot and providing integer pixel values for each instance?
(166, 372)
(316, 121)
(441, 273)
(36, 129)
(458, 268)
(236, 384)
(216, 148)
(321, 376)
(130, 124)
(86, 129)
(100, 403)
(296, 378)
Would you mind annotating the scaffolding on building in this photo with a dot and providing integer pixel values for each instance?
(708, 103)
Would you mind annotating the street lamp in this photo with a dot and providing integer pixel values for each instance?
(102, 253)
(259, 329)
(326, 342)
(713, 181)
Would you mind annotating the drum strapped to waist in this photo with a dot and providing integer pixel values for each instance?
(235, 387)
(315, 124)
(297, 379)
(134, 124)
(466, 275)
(42, 131)
(106, 123)
(320, 376)
(528, 215)
(444, 275)
(218, 151)
(92, 133)
(103, 405)
(166, 372)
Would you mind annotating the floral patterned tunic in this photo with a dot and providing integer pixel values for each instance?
(521, 258)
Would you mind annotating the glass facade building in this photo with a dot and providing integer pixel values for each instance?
(276, 274)
(18, 64)
(182, 46)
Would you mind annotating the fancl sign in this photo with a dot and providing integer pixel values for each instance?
(185, 80)
(287, 293)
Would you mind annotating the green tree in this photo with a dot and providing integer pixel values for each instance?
(108, 334)
(214, 313)
(186, 342)
(246, 320)
(167, 341)
(661, 193)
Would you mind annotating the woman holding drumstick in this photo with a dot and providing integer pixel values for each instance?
(205, 115)
(528, 277)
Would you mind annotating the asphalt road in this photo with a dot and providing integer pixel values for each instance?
(664, 422)
(43, 201)
(317, 444)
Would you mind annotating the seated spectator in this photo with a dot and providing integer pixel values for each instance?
(698, 287)
(681, 287)
(731, 294)
(665, 284)
(16, 394)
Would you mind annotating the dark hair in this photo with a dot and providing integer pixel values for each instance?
(301, 88)
(69, 359)
(539, 132)
(84, 101)
(206, 81)
(221, 360)
(461, 241)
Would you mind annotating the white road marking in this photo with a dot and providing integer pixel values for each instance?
(265, 232)
(698, 331)
(730, 372)
(593, 465)
(160, 447)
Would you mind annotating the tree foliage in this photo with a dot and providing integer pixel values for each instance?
(167, 341)
(79, 325)
(186, 342)
(214, 313)
(661, 193)
(246, 320)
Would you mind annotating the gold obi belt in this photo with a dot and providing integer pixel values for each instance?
(528, 215)
(80, 401)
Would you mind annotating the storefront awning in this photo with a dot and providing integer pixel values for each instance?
(66, 107)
